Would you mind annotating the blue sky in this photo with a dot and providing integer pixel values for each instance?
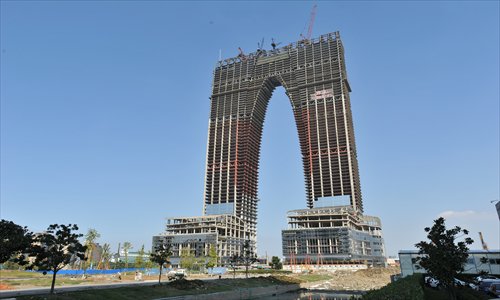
(104, 112)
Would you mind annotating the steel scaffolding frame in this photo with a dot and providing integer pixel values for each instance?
(330, 235)
(314, 77)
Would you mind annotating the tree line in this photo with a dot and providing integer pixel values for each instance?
(58, 247)
(163, 252)
(50, 250)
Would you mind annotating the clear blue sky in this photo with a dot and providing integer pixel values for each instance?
(104, 112)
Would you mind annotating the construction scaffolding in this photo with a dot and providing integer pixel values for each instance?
(197, 234)
(332, 235)
(314, 77)
(313, 74)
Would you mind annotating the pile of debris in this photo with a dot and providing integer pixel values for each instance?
(361, 280)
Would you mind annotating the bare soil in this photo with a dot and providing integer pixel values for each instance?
(361, 280)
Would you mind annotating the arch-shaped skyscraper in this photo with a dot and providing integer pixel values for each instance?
(314, 76)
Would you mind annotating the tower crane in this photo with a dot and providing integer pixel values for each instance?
(241, 55)
(260, 45)
(311, 24)
(274, 44)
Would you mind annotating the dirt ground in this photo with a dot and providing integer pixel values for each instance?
(361, 280)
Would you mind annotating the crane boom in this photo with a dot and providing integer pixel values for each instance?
(311, 22)
(485, 246)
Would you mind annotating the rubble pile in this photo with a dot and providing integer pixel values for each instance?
(361, 280)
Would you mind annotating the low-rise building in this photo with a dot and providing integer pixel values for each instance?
(478, 261)
(195, 235)
(332, 235)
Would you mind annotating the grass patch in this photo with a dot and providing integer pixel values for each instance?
(413, 288)
(261, 271)
(143, 292)
(408, 288)
(176, 288)
(314, 277)
(44, 281)
(288, 279)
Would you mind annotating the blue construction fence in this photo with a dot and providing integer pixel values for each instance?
(149, 271)
(145, 271)
(217, 271)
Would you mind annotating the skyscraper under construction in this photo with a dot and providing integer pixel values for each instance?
(314, 76)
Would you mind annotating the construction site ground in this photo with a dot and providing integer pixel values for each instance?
(361, 280)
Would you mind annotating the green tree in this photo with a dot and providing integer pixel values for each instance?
(90, 237)
(187, 259)
(126, 247)
(441, 256)
(139, 260)
(117, 264)
(234, 262)
(12, 264)
(55, 248)
(248, 257)
(276, 263)
(212, 257)
(105, 257)
(200, 263)
(14, 240)
(161, 256)
(149, 264)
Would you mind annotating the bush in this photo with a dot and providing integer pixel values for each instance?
(408, 288)
(413, 288)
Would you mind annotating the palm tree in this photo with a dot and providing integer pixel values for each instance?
(90, 238)
(126, 246)
(105, 257)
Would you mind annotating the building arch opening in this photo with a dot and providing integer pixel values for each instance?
(280, 154)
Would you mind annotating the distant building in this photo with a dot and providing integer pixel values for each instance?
(474, 264)
(393, 261)
(195, 235)
(130, 257)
